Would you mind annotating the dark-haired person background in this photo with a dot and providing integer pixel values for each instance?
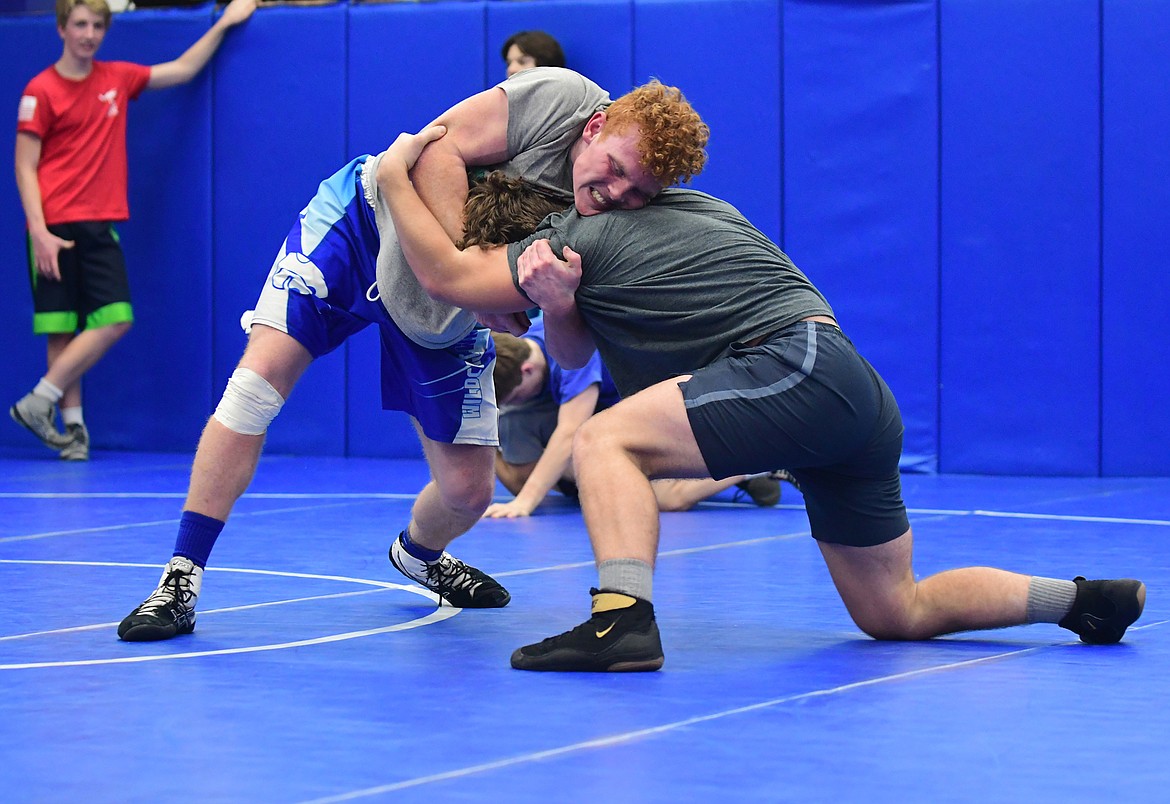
(524, 50)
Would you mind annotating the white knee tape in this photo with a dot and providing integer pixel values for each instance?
(249, 403)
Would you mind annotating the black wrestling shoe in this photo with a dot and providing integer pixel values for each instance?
(460, 585)
(170, 610)
(621, 636)
(1104, 609)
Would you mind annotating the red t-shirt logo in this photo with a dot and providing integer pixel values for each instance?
(110, 97)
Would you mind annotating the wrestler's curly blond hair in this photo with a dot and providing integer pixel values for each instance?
(500, 209)
(673, 136)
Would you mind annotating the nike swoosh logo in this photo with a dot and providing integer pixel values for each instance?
(601, 634)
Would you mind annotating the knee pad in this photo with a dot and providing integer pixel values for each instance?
(249, 403)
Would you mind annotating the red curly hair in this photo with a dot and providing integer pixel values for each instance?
(672, 135)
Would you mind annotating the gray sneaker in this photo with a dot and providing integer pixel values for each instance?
(37, 414)
(78, 449)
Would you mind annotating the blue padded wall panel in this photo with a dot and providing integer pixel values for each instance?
(391, 90)
(1136, 290)
(1020, 237)
(27, 46)
(408, 63)
(280, 108)
(596, 35)
(725, 56)
(861, 187)
(152, 392)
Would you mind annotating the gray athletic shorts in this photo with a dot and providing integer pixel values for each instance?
(525, 430)
(806, 401)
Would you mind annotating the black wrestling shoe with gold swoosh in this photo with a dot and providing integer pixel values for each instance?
(621, 636)
(1104, 609)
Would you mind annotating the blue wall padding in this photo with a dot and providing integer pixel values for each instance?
(861, 186)
(978, 186)
(1020, 237)
(596, 35)
(405, 69)
(165, 242)
(685, 44)
(279, 97)
(1136, 226)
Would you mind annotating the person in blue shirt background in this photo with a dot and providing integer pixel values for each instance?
(541, 407)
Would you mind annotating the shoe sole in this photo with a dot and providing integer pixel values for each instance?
(16, 417)
(522, 662)
(495, 601)
(147, 632)
(633, 652)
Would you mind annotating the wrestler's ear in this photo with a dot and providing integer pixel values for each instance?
(593, 127)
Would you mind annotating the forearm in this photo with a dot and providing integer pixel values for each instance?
(196, 57)
(551, 467)
(567, 338)
(193, 60)
(28, 185)
(30, 199)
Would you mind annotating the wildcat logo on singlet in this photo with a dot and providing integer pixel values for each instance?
(298, 273)
(472, 387)
(472, 393)
(110, 97)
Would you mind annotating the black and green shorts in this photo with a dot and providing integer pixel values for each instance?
(94, 290)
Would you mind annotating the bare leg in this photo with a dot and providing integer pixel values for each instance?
(462, 482)
(878, 588)
(683, 495)
(225, 461)
(71, 356)
(616, 452)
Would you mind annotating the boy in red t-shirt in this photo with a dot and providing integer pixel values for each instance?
(71, 175)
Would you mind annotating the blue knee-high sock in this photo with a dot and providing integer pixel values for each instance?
(197, 535)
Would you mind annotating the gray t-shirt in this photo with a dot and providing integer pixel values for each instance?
(665, 290)
(547, 110)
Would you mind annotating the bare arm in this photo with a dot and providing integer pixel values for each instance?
(555, 459)
(45, 244)
(195, 58)
(478, 278)
(477, 134)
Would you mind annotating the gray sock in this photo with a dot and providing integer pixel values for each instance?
(626, 575)
(1049, 599)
